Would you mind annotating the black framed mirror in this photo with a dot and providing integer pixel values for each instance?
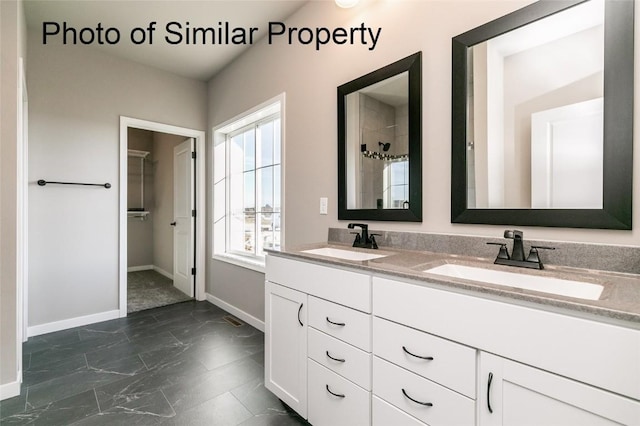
(561, 154)
(380, 144)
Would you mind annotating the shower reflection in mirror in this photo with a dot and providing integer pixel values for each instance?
(378, 145)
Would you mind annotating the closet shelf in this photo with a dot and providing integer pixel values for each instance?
(140, 214)
(137, 153)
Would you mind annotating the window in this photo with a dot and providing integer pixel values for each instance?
(396, 184)
(247, 185)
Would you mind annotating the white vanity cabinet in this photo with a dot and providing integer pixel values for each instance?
(329, 380)
(286, 345)
(352, 348)
(515, 394)
(550, 368)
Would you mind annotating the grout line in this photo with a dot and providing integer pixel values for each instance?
(95, 394)
(166, 399)
(86, 361)
(144, 363)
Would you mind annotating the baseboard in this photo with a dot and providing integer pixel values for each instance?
(248, 318)
(148, 268)
(50, 327)
(9, 390)
(163, 272)
(139, 268)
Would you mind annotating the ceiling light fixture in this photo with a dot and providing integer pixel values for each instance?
(346, 3)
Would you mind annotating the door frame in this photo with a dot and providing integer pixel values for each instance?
(200, 191)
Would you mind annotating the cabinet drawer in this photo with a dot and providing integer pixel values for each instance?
(346, 360)
(453, 365)
(341, 322)
(350, 406)
(532, 336)
(385, 414)
(397, 385)
(348, 288)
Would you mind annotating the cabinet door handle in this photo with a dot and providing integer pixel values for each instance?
(336, 359)
(341, 324)
(299, 309)
(426, 404)
(173, 224)
(339, 395)
(428, 358)
(489, 392)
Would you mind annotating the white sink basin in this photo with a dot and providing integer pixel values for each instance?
(343, 254)
(557, 286)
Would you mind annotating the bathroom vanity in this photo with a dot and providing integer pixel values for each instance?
(382, 342)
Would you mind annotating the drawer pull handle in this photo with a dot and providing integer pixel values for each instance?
(299, 320)
(341, 324)
(428, 358)
(426, 404)
(489, 392)
(338, 395)
(336, 359)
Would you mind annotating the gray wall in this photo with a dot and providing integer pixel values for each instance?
(140, 232)
(77, 96)
(12, 46)
(163, 145)
(310, 78)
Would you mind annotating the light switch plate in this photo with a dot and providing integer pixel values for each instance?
(324, 203)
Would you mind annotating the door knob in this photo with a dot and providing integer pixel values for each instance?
(173, 224)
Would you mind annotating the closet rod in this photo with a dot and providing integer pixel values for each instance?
(43, 182)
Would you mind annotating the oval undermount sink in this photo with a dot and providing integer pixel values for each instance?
(343, 254)
(557, 286)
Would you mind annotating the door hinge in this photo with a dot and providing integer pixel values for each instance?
(193, 271)
(193, 213)
(193, 155)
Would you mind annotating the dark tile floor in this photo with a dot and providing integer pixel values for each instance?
(181, 364)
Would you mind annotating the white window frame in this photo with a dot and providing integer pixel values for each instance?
(220, 181)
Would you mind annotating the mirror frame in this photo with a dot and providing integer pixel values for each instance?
(618, 123)
(412, 64)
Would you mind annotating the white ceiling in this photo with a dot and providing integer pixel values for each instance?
(199, 62)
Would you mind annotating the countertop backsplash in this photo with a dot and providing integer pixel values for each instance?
(601, 257)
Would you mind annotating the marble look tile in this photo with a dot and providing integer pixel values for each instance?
(50, 340)
(256, 397)
(222, 410)
(127, 348)
(178, 371)
(15, 405)
(61, 352)
(62, 412)
(51, 370)
(183, 396)
(282, 416)
(218, 356)
(151, 409)
(80, 381)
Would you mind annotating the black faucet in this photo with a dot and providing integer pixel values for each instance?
(517, 252)
(365, 240)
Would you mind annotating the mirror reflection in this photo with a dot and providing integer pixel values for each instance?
(535, 114)
(377, 143)
(380, 144)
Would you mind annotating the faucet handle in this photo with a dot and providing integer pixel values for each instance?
(503, 253)
(533, 254)
(374, 244)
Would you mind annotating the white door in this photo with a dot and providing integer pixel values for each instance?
(183, 219)
(514, 394)
(567, 156)
(285, 342)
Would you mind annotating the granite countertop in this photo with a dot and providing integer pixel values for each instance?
(619, 301)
